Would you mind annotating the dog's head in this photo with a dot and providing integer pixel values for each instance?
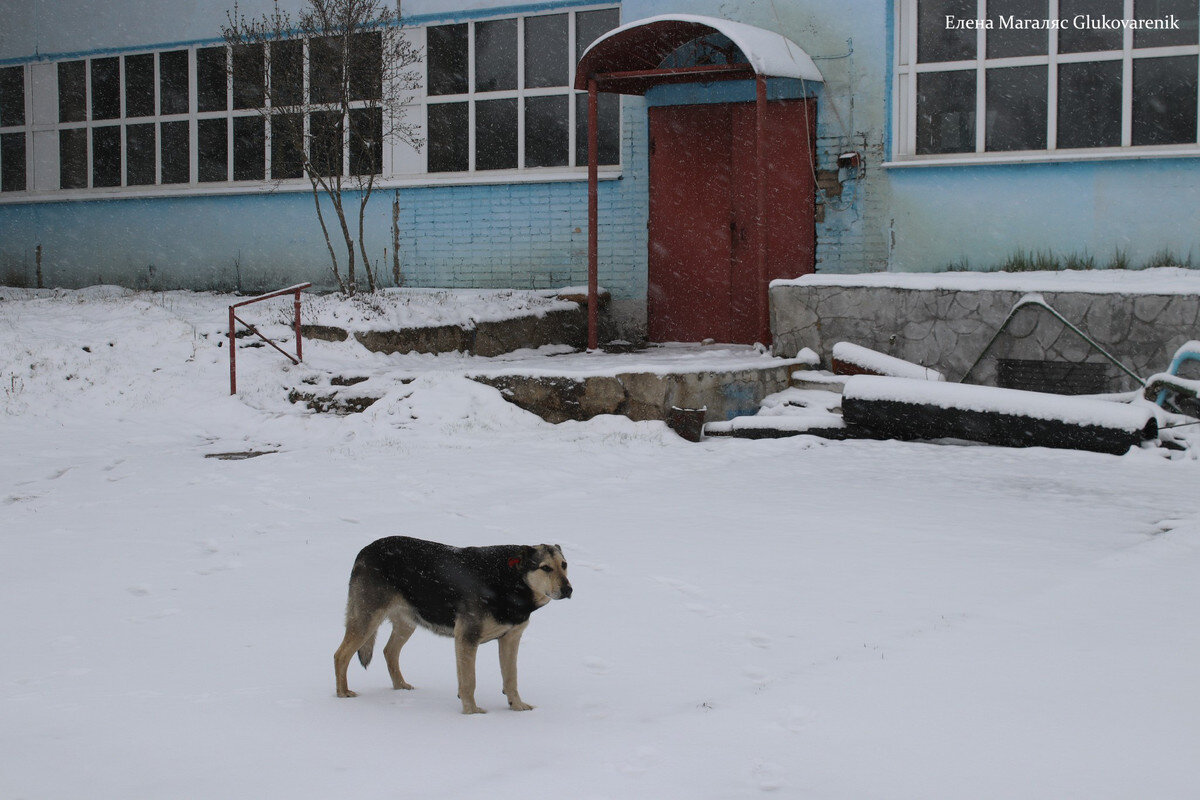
(546, 571)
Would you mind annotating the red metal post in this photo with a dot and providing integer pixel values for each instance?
(232, 354)
(593, 215)
(760, 211)
(299, 341)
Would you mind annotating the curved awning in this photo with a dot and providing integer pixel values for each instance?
(628, 59)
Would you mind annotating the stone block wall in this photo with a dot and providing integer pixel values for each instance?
(948, 329)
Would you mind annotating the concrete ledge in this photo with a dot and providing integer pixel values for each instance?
(642, 395)
(947, 328)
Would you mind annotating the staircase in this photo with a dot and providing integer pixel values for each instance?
(811, 405)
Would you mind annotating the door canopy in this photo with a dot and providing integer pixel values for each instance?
(630, 59)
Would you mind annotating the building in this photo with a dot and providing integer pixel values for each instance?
(934, 134)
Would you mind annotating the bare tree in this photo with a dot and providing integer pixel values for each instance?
(333, 84)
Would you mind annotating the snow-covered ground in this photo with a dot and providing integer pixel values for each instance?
(813, 619)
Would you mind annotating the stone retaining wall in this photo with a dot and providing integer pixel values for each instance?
(947, 329)
(643, 395)
(568, 326)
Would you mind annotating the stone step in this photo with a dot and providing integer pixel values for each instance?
(339, 394)
(817, 380)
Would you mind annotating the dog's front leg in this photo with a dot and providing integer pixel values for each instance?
(466, 645)
(509, 643)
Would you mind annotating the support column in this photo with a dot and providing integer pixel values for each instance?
(593, 216)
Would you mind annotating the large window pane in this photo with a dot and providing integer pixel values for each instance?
(72, 86)
(446, 48)
(72, 159)
(496, 55)
(546, 51)
(608, 130)
(249, 148)
(591, 25)
(939, 41)
(449, 145)
(547, 131)
(12, 96)
(1089, 104)
(1168, 14)
(249, 76)
(140, 149)
(1007, 41)
(287, 146)
(139, 85)
(173, 93)
(496, 134)
(946, 112)
(106, 88)
(325, 142)
(1089, 40)
(212, 150)
(366, 141)
(287, 73)
(12, 162)
(365, 62)
(1016, 109)
(1164, 100)
(324, 69)
(211, 79)
(106, 156)
(175, 152)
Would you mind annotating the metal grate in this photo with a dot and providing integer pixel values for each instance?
(1055, 377)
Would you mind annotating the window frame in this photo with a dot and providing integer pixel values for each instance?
(471, 97)
(906, 71)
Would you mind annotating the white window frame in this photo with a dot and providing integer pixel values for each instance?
(472, 175)
(904, 94)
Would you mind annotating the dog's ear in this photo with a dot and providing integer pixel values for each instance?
(526, 560)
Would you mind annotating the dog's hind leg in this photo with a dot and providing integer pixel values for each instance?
(361, 625)
(402, 628)
(509, 643)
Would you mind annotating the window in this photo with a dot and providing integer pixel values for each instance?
(12, 142)
(139, 85)
(1041, 76)
(499, 94)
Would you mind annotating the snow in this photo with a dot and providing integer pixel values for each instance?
(770, 53)
(883, 364)
(1037, 405)
(393, 309)
(791, 616)
(1159, 280)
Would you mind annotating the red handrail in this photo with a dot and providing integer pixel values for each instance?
(234, 319)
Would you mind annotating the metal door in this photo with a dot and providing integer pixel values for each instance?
(703, 272)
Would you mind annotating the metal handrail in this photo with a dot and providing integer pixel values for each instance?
(234, 319)
(1038, 301)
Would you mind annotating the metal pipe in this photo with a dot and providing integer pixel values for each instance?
(593, 215)
(764, 322)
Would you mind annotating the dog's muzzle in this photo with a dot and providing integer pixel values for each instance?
(566, 592)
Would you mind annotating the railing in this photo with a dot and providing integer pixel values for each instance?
(234, 319)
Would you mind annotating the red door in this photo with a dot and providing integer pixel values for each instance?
(703, 258)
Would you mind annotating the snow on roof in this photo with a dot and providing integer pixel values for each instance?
(771, 54)
(1160, 280)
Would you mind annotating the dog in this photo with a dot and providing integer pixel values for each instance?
(475, 594)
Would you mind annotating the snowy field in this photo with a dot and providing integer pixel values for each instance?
(799, 617)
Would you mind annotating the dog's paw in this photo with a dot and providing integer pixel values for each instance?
(402, 685)
(473, 709)
(520, 705)
(347, 693)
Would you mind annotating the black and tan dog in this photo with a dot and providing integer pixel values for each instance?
(475, 594)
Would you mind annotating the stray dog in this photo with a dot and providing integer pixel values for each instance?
(475, 594)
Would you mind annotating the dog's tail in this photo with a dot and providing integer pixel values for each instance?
(366, 651)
